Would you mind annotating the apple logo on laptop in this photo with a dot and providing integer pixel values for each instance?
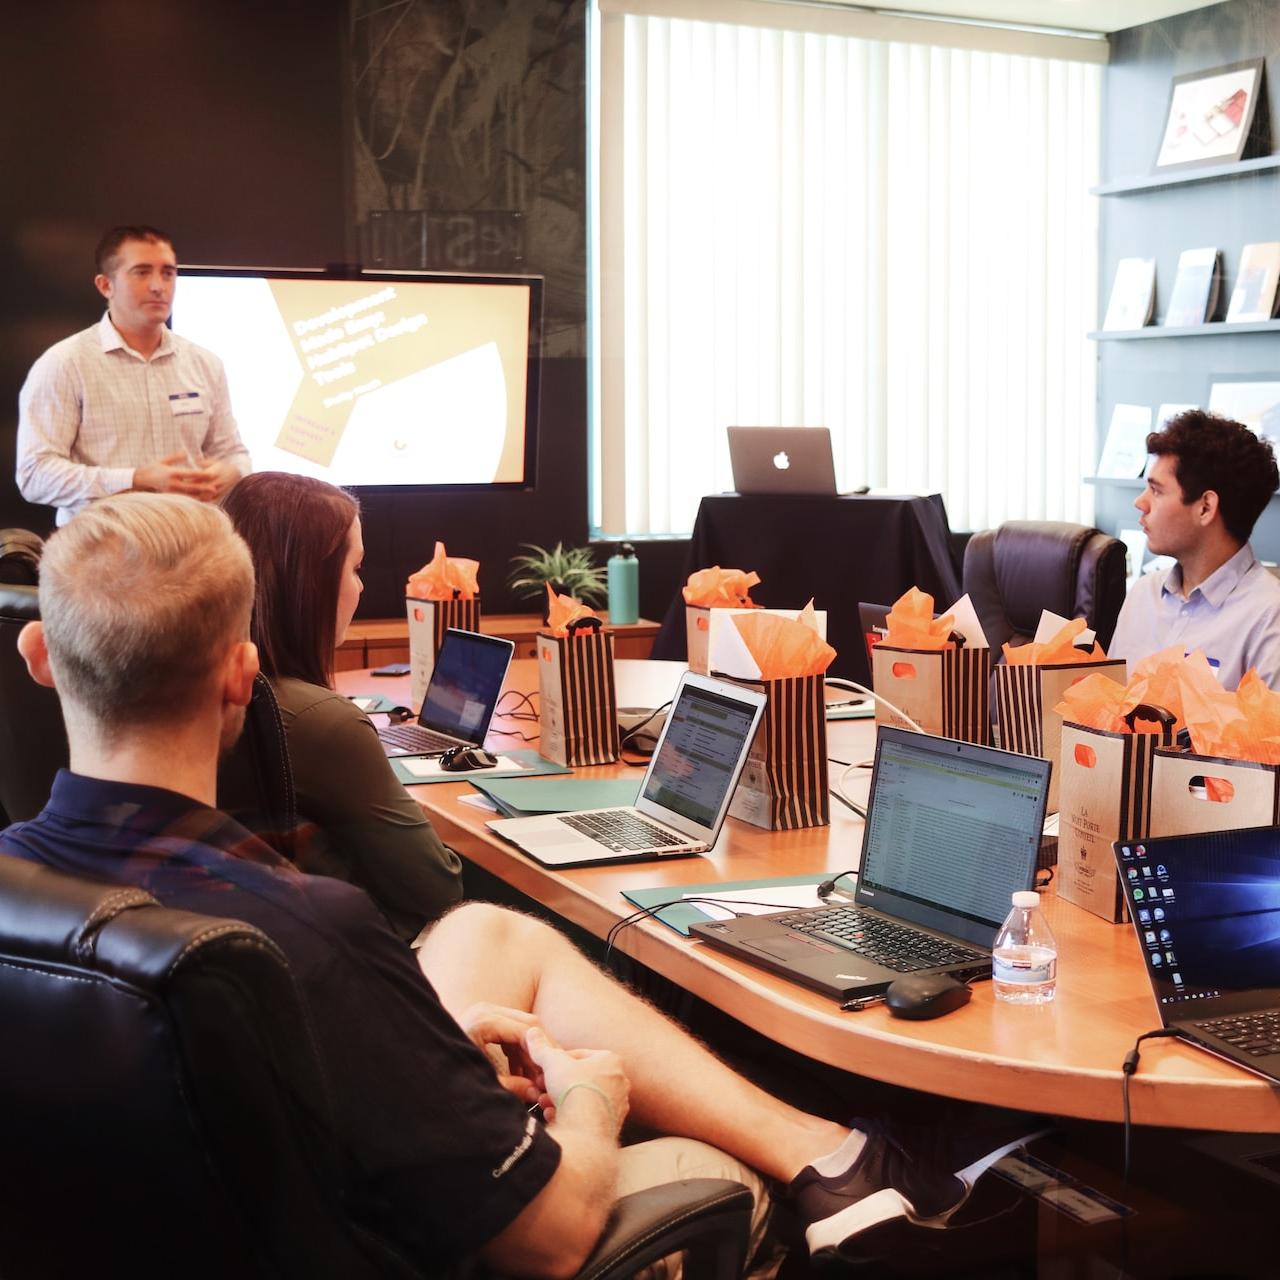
(781, 461)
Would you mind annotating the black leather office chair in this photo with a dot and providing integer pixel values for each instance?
(20, 552)
(1013, 572)
(33, 741)
(166, 1114)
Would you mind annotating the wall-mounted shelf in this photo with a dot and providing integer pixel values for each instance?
(1180, 178)
(1217, 328)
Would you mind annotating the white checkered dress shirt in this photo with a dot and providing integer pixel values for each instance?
(92, 409)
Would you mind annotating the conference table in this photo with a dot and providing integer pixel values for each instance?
(1063, 1058)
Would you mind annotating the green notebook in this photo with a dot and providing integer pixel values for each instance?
(529, 797)
(680, 914)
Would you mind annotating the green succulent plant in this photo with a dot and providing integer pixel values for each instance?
(571, 570)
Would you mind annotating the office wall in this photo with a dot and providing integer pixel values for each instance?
(219, 120)
(267, 134)
(1161, 223)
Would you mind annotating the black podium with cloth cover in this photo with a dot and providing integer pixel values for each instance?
(840, 551)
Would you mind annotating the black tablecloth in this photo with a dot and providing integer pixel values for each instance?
(839, 551)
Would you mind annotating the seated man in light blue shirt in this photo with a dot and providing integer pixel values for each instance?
(1208, 482)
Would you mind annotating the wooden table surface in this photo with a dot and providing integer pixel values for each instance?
(1062, 1058)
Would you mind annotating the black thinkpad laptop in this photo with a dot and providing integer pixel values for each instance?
(1206, 909)
(952, 832)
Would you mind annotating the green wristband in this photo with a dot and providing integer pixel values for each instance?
(604, 1097)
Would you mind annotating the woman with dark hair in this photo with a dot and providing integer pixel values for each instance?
(305, 539)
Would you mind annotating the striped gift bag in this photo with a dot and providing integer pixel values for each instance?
(428, 621)
(1105, 796)
(1025, 701)
(578, 705)
(784, 782)
(944, 691)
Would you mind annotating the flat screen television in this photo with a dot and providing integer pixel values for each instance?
(381, 380)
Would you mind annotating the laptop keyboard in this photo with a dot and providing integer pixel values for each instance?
(622, 830)
(893, 946)
(1256, 1034)
(414, 737)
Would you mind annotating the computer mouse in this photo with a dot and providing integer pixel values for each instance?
(460, 759)
(925, 995)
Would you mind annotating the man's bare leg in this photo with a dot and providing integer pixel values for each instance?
(481, 953)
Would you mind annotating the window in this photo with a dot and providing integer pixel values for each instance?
(891, 239)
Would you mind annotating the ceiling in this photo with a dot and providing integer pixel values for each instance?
(1074, 15)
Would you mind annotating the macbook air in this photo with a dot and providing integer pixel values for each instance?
(684, 796)
(460, 699)
(782, 460)
(1206, 909)
(952, 833)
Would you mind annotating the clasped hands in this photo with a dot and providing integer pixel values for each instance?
(538, 1071)
(206, 481)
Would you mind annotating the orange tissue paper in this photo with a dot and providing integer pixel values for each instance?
(784, 648)
(1058, 651)
(718, 588)
(444, 577)
(911, 624)
(563, 610)
(1095, 702)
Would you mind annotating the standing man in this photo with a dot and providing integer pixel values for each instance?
(127, 404)
(1208, 483)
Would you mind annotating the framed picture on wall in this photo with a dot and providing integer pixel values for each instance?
(1210, 115)
(1250, 398)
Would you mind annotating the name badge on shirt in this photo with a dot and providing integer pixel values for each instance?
(182, 403)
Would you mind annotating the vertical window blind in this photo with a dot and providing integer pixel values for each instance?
(893, 240)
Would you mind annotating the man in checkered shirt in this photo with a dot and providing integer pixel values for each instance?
(126, 403)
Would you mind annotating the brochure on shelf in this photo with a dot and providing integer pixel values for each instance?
(1255, 296)
(1194, 297)
(1124, 455)
(1133, 295)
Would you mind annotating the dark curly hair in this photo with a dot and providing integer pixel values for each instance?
(1212, 452)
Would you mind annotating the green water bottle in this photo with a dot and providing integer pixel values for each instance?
(624, 586)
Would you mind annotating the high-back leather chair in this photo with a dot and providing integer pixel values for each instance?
(1025, 566)
(20, 552)
(166, 1111)
(33, 740)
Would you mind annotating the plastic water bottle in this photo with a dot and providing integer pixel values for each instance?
(624, 586)
(1024, 957)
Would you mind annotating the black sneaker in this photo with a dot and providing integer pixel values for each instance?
(901, 1172)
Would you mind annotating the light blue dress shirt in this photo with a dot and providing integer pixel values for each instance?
(1233, 617)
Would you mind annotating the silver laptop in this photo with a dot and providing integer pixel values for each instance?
(952, 832)
(683, 799)
(461, 696)
(1206, 909)
(782, 460)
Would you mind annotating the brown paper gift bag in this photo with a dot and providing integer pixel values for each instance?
(428, 621)
(784, 782)
(578, 705)
(943, 690)
(1105, 795)
(1191, 793)
(697, 629)
(1025, 701)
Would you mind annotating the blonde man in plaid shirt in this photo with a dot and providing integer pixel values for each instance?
(127, 404)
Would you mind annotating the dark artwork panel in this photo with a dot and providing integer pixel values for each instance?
(469, 136)
(218, 120)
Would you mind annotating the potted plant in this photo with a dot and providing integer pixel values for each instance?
(571, 571)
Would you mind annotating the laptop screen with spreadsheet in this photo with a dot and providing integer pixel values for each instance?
(953, 830)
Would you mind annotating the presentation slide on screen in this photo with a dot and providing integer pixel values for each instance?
(370, 382)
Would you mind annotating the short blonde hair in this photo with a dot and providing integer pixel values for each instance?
(140, 595)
